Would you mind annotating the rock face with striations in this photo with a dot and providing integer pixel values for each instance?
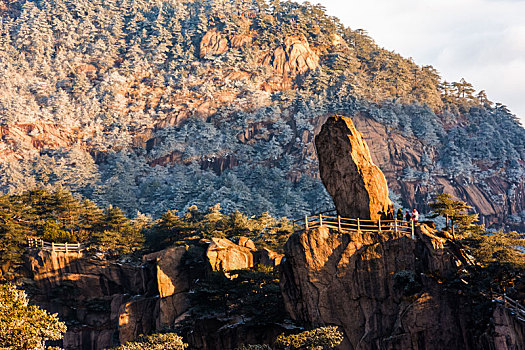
(109, 302)
(385, 291)
(356, 184)
(100, 300)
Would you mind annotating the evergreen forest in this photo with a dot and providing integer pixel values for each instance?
(161, 105)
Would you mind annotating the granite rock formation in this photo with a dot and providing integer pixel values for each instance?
(294, 57)
(224, 255)
(100, 300)
(385, 291)
(108, 302)
(173, 283)
(357, 186)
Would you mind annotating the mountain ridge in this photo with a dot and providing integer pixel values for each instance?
(159, 105)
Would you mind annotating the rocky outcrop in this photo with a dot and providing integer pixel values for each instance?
(247, 243)
(100, 300)
(224, 255)
(294, 57)
(356, 184)
(216, 43)
(38, 136)
(136, 317)
(266, 257)
(95, 277)
(213, 43)
(173, 283)
(109, 302)
(385, 291)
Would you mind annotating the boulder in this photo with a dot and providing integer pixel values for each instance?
(224, 255)
(267, 257)
(173, 283)
(246, 242)
(357, 186)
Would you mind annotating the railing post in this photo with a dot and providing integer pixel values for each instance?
(358, 225)
(53, 246)
(42, 243)
(78, 247)
(379, 224)
(306, 222)
(413, 236)
(339, 222)
(66, 247)
(395, 226)
(320, 219)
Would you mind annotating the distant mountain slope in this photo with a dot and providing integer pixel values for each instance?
(154, 105)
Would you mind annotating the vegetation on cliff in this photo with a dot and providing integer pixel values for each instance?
(60, 216)
(159, 341)
(495, 261)
(23, 326)
(252, 294)
(157, 105)
(317, 339)
(455, 213)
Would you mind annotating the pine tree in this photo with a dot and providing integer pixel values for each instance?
(24, 326)
(453, 211)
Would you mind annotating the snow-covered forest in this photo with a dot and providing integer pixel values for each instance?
(159, 105)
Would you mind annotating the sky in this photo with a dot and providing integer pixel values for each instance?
(482, 41)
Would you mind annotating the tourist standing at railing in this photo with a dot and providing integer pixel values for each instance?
(390, 214)
(408, 217)
(400, 214)
(414, 215)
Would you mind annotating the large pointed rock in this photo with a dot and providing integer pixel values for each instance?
(356, 184)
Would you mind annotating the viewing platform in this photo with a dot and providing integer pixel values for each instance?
(55, 247)
(332, 220)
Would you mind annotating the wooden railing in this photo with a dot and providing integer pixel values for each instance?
(514, 306)
(352, 225)
(54, 247)
(517, 309)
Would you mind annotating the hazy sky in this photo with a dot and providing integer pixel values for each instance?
(482, 41)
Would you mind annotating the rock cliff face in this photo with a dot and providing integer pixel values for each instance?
(294, 57)
(173, 282)
(356, 184)
(105, 303)
(384, 290)
(101, 301)
(394, 152)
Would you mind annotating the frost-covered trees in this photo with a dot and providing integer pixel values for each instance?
(130, 115)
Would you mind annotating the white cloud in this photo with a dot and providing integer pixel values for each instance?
(482, 41)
